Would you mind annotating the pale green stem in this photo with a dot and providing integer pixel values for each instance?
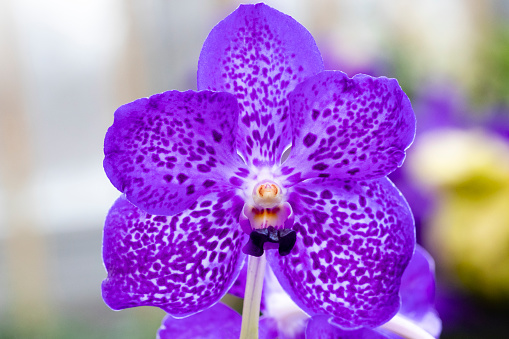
(252, 297)
(405, 328)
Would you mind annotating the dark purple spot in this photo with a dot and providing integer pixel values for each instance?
(217, 136)
(320, 217)
(160, 218)
(242, 172)
(206, 203)
(308, 201)
(201, 213)
(170, 131)
(315, 114)
(208, 183)
(330, 129)
(326, 194)
(245, 120)
(286, 170)
(190, 189)
(294, 177)
(210, 150)
(203, 168)
(235, 181)
(320, 167)
(152, 102)
(168, 177)
(353, 171)
(182, 177)
(309, 139)
(344, 239)
(304, 191)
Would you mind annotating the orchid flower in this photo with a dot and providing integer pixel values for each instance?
(205, 182)
(283, 319)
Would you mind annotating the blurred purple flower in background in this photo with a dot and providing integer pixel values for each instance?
(437, 106)
(283, 319)
(456, 182)
(344, 232)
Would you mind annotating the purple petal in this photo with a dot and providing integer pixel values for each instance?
(320, 328)
(182, 264)
(354, 241)
(165, 151)
(239, 286)
(217, 322)
(260, 55)
(268, 328)
(346, 128)
(418, 292)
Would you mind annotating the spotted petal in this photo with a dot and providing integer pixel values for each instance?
(260, 55)
(346, 128)
(239, 286)
(165, 151)
(182, 264)
(354, 241)
(217, 322)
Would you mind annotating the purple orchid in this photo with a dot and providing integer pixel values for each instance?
(283, 319)
(204, 184)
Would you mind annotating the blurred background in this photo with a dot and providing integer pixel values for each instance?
(65, 66)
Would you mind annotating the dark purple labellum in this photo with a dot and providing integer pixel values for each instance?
(284, 237)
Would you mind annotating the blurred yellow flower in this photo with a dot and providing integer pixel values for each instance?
(469, 228)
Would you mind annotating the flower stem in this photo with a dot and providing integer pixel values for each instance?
(406, 329)
(252, 297)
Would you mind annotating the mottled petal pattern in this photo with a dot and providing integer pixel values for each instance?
(217, 322)
(182, 264)
(165, 151)
(354, 240)
(260, 55)
(346, 128)
(239, 286)
(320, 328)
(418, 292)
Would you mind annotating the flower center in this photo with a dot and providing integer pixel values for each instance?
(267, 195)
(268, 220)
